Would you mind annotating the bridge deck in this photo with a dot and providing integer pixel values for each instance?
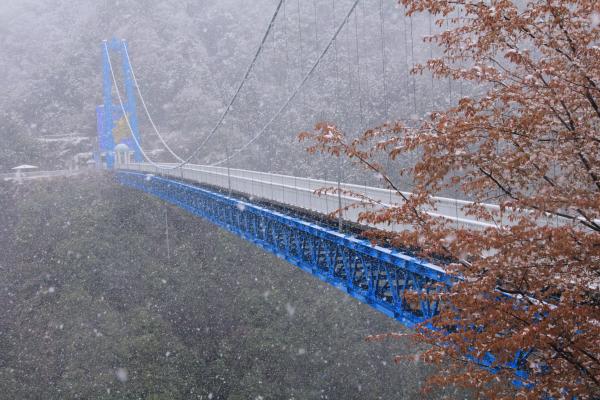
(28, 176)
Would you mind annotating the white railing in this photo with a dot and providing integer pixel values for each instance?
(300, 193)
(23, 176)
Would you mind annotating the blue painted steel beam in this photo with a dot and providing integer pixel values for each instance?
(379, 277)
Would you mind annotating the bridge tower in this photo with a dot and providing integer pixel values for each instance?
(112, 124)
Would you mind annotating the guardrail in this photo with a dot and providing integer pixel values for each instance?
(40, 175)
(300, 193)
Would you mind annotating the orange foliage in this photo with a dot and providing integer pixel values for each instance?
(531, 144)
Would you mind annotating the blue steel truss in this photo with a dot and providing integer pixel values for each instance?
(398, 285)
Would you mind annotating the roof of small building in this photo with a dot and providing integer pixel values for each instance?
(25, 166)
(121, 147)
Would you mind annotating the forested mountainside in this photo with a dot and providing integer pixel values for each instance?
(96, 306)
(189, 57)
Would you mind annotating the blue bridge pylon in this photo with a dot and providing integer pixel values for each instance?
(110, 115)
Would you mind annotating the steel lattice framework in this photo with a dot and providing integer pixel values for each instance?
(398, 285)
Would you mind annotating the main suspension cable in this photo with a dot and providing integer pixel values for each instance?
(236, 94)
(137, 86)
(297, 90)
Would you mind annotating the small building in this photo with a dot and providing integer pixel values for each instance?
(123, 154)
(22, 168)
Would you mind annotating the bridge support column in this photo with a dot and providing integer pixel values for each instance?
(111, 134)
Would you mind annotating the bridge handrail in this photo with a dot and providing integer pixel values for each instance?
(377, 194)
(246, 181)
(325, 183)
(346, 197)
(40, 174)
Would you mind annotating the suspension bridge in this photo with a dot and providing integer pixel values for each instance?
(282, 213)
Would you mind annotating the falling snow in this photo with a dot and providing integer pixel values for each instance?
(122, 375)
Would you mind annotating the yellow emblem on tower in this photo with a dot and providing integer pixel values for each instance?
(121, 131)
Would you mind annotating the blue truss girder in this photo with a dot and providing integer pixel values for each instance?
(398, 285)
